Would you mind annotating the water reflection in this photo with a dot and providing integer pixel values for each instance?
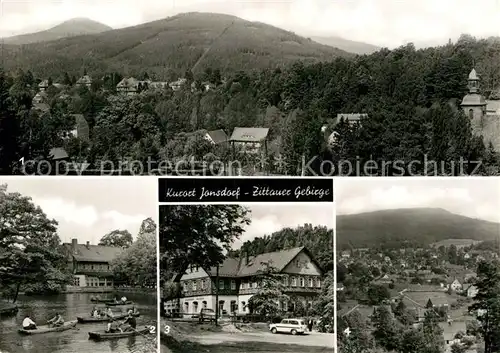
(75, 340)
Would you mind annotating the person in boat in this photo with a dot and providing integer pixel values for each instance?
(124, 299)
(95, 313)
(113, 327)
(29, 324)
(56, 321)
(109, 313)
(116, 300)
(130, 321)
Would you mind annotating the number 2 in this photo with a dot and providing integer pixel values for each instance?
(167, 329)
(152, 329)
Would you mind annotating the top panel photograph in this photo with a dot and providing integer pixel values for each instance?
(225, 88)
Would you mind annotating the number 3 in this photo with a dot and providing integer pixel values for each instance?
(152, 329)
(167, 329)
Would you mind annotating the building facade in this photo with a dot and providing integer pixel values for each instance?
(91, 264)
(238, 282)
(483, 114)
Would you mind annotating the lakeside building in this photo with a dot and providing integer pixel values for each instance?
(238, 282)
(91, 265)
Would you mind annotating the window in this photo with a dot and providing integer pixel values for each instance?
(76, 281)
(294, 282)
(243, 306)
(186, 307)
(285, 306)
(471, 113)
(195, 307)
(194, 285)
(233, 284)
(286, 281)
(203, 284)
(255, 284)
(234, 306)
(318, 282)
(302, 282)
(204, 303)
(243, 285)
(221, 284)
(311, 282)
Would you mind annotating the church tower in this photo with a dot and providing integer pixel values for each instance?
(474, 104)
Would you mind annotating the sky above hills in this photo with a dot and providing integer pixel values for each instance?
(470, 197)
(388, 23)
(87, 209)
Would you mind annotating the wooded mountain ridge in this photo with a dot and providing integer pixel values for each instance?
(167, 48)
(410, 227)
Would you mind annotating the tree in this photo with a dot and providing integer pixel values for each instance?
(271, 291)
(66, 79)
(377, 294)
(324, 305)
(10, 130)
(386, 332)
(198, 234)
(30, 251)
(457, 348)
(433, 334)
(137, 264)
(117, 238)
(487, 305)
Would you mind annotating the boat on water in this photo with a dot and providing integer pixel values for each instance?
(103, 335)
(98, 300)
(128, 302)
(90, 319)
(46, 328)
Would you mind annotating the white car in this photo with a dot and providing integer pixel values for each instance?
(293, 326)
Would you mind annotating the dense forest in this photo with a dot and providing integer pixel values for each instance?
(410, 97)
(317, 239)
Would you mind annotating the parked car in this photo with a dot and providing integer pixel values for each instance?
(206, 315)
(293, 326)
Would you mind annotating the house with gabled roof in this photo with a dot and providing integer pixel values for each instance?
(238, 281)
(216, 137)
(250, 139)
(85, 80)
(82, 129)
(91, 264)
(43, 85)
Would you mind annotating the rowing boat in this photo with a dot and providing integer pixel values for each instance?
(128, 302)
(103, 335)
(89, 319)
(46, 328)
(97, 300)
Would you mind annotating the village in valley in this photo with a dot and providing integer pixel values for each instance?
(407, 285)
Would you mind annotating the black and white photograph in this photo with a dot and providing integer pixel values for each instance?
(247, 278)
(418, 266)
(291, 87)
(78, 265)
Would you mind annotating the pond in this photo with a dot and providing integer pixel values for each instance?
(42, 308)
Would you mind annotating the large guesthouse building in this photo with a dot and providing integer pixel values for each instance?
(237, 283)
(91, 264)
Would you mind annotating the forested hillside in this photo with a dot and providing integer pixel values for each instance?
(411, 98)
(167, 48)
(417, 227)
(317, 239)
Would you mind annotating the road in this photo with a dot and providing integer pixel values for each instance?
(313, 339)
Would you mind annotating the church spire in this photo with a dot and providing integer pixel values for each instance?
(473, 82)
